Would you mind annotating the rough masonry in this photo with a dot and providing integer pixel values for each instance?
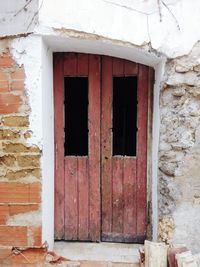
(179, 151)
(20, 185)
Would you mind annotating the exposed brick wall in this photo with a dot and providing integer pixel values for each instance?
(20, 186)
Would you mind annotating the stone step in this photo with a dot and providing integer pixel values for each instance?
(100, 252)
(93, 264)
(107, 264)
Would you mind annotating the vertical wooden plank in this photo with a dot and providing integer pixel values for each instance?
(118, 67)
(129, 187)
(142, 149)
(82, 64)
(59, 148)
(106, 145)
(71, 198)
(70, 64)
(82, 173)
(130, 68)
(118, 198)
(94, 147)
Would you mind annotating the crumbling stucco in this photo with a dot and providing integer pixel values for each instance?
(166, 229)
(20, 173)
(179, 155)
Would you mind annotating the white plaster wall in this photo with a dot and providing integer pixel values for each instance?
(48, 147)
(136, 22)
(36, 57)
(27, 51)
(159, 71)
(172, 31)
(18, 17)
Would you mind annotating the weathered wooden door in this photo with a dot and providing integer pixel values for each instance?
(101, 107)
(77, 182)
(124, 150)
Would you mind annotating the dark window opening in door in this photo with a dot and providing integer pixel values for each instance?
(124, 115)
(76, 116)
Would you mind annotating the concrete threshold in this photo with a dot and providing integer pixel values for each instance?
(85, 251)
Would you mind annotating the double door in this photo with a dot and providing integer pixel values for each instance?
(101, 114)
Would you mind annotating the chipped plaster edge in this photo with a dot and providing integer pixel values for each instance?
(27, 52)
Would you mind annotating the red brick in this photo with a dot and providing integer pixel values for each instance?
(16, 209)
(14, 193)
(10, 210)
(17, 85)
(4, 86)
(37, 236)
(20, 193)
(5, 252)
(35, 193)
(18, 74)
(13, 235)
(9, 103)
(6, 60)
(4, 76)
(4, 213)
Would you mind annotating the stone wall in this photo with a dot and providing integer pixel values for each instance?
(20, 218)
(179, 153)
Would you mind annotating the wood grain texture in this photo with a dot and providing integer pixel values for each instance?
(118, 67)
(130, 200)
(72, 191)
(70, 64)
(118, 196)
(83, 201)
(59, 147)
(106, 144)
(94, 147)
(130, 68)
(82, 64)
(119, 181)
(142, 149)
(71, 198)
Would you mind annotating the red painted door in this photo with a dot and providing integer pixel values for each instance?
(77, 182)
(100, 184)
(124, 171)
